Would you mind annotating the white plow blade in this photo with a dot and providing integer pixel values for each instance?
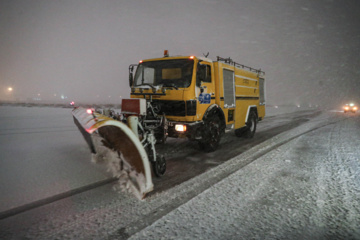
(114, 142)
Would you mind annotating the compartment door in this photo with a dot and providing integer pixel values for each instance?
(229, 88)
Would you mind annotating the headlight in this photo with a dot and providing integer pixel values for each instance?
(180, 128)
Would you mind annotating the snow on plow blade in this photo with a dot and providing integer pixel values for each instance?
(115, 143)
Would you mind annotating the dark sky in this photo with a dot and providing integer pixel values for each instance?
(82, 48)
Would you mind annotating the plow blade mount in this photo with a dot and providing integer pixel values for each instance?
(113, 142)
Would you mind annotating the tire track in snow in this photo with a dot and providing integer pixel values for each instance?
(45, 201)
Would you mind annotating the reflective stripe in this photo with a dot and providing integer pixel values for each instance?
(252, 79)
(246, 87)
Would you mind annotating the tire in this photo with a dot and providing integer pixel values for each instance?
(211, 134)
(159, 166)
(250, 126)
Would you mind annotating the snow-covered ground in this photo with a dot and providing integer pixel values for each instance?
(41, 154)
(305, 188)
(300, 184)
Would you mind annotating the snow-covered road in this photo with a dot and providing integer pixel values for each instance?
(302, 183)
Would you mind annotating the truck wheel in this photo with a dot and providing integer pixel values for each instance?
(250, 126)
(159, 166)
(211, 134)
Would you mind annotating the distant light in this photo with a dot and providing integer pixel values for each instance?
(140, 61)
(72, 103)
(192, 57)
(10, 89)
(89, 111)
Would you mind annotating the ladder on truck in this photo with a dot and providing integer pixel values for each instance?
(238, 65)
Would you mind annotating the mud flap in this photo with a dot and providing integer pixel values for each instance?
(113, 141)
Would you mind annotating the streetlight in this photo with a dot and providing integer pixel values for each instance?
(10, 93)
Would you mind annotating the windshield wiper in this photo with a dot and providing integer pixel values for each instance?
(146, 84)
(171, 86)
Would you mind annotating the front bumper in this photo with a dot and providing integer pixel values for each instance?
(193, 130)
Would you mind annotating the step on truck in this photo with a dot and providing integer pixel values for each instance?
(174, 96)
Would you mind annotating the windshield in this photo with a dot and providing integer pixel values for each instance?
(168, 73)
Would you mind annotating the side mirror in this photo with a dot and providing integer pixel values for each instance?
(131, 79)
(202, 88)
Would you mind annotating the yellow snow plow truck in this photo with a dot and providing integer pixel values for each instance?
(179, 96)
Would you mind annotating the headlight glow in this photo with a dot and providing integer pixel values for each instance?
(180, 128)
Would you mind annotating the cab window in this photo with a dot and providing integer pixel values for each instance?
(203, 74)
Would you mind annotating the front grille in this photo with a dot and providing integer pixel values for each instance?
(191, 107)
(175, 108)
(171, 108)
